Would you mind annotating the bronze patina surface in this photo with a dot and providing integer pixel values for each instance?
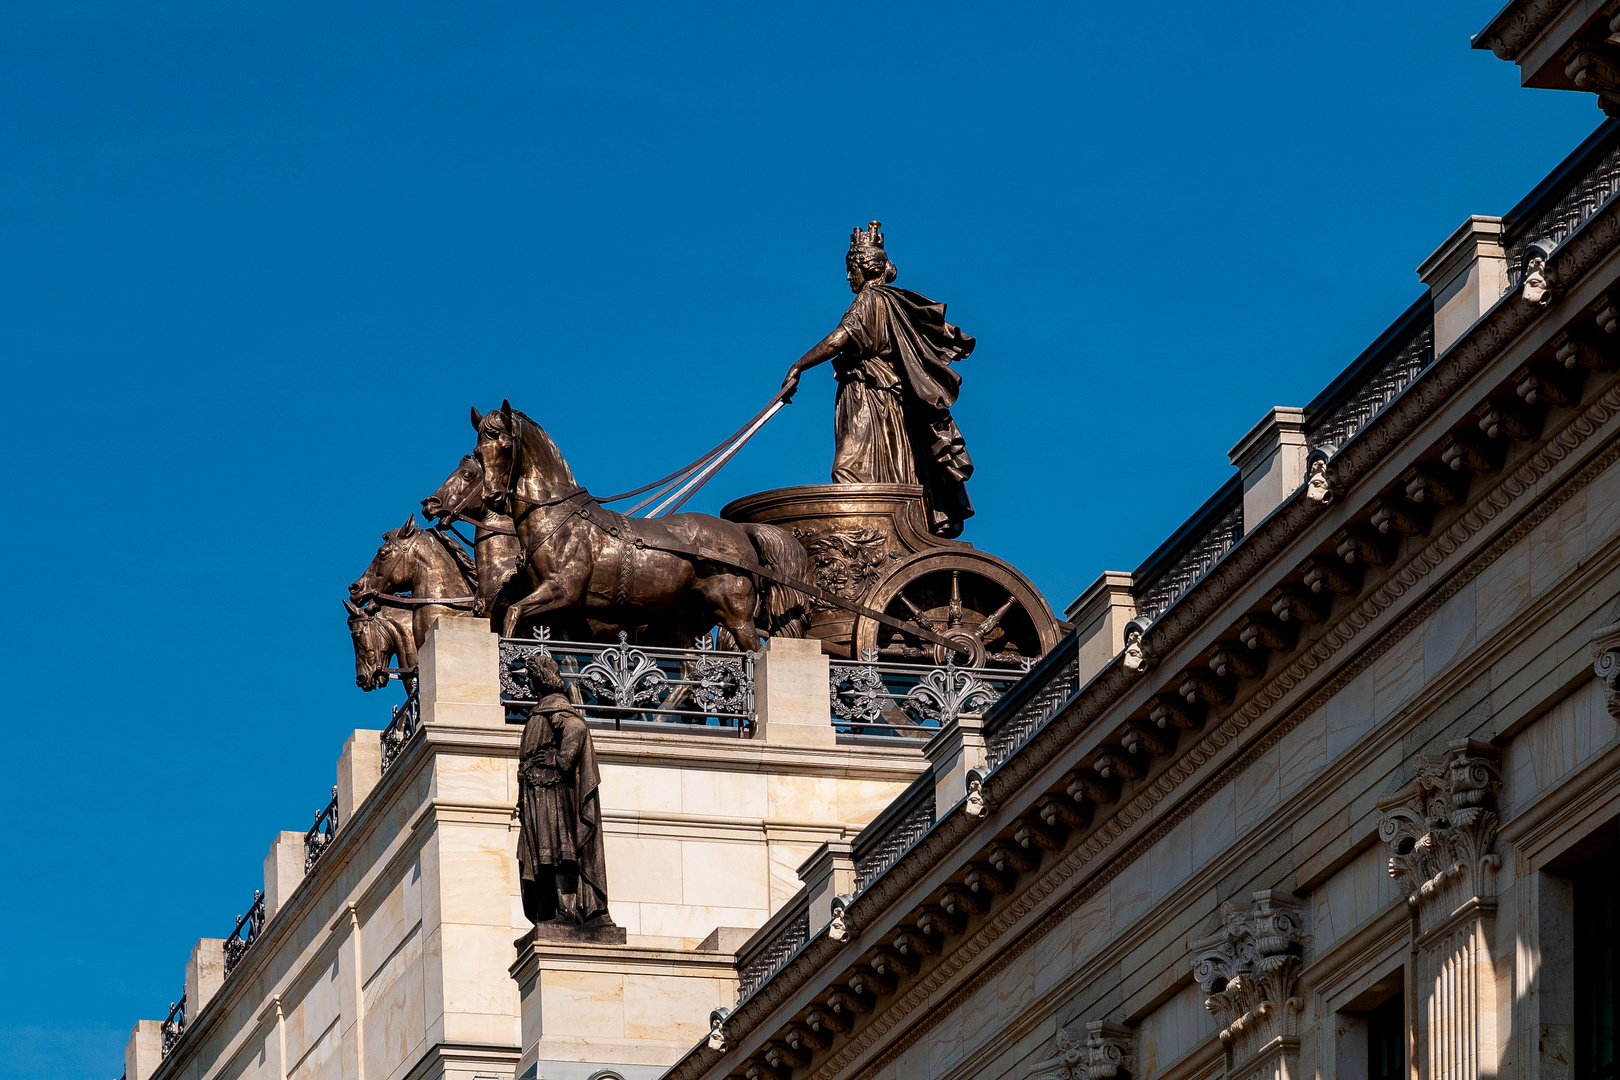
(682, 571)
(869, 544)
(892, 354)
(561, 857)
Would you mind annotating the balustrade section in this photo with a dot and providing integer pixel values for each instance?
(773, 945)
(628, 687)
(910, 700)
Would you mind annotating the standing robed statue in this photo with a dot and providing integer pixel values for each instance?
(892, 355)
(560, 853)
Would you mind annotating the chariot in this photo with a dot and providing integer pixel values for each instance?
(869, 546)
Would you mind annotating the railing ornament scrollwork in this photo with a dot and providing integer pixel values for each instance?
(621, 683)
(406, 719)
(871, 698)
(320, 835)
(174, 1025)
(246, 933)
(767, 961)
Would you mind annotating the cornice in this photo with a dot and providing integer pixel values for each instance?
(1533, 468)
(1517, 25)
(1502, 325)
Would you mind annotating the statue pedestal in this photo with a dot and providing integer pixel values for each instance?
(599, 934)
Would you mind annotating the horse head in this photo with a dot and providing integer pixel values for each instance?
(390, 569)
(517, 453)
(372, 646)
(461, 494)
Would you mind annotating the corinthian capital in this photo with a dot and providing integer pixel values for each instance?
(1606, 659)
(1441, 829)
(1249, 970)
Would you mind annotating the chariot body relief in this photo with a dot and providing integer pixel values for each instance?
(892, 354)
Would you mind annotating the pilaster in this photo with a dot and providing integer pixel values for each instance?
(1606, 659)
(1271, 460)
(828, 873)
(1441, 831)
(205, 973)
(143, 1053)
(283, 871)
(957, 749)
(1466, 275)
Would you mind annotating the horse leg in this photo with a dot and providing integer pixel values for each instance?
(733, 600)
(555, 593)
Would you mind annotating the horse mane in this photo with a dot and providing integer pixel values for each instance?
(536, 441)
(464, 561)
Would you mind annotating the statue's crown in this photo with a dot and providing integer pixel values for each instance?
(871, 238)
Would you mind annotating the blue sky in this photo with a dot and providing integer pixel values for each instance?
(257, 260)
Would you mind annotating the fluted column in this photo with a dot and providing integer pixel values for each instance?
(1441, 830)
(1249, 971)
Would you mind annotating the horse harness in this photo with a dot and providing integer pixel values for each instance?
(617, 526)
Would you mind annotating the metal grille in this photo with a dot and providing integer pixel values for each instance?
(901, 836)
(1580, 203)
(407, 718)
(701, 687)
(1378, 392)
(1012, 732)
(872, 698)
(174, 1025)
(246, 933)
(319, 837)
(1192, 565)
(777, 952)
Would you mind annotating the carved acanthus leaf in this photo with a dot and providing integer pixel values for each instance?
(1249, 970)
(1441, 828)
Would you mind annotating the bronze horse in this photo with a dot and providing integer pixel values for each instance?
(684, 569)
(380, 636)
(428, 564)
(496, 549)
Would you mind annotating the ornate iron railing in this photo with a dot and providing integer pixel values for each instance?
(702, 688)
(174, 1025)
(872, 698)
(1200, 552)
(893, 832)
(1012, 731)
(1380, 387)
(1584, 198)
(319, 837)
(406, 719)
(787, 936)
(246, 933)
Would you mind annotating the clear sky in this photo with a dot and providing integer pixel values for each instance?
(257, 259)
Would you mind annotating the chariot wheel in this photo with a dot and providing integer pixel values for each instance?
(971, 599)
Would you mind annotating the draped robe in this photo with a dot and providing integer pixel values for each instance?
(892, 423)
(559, 808)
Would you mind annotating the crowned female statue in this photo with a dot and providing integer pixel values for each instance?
(892, 355)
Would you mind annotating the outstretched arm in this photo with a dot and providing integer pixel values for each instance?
(824, 350)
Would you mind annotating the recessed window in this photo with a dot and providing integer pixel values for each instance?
(1386, 1040)
(1595, 897)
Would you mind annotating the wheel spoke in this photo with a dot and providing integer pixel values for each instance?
(993, 620)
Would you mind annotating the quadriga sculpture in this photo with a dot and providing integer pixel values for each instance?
(579, 556)
(433, 568)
